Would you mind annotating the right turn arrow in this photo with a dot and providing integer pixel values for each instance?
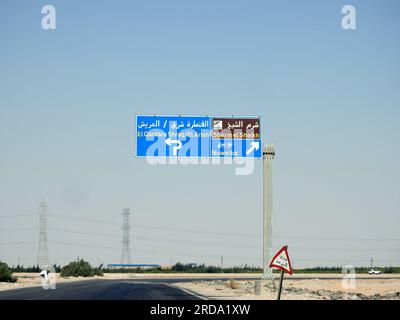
(255, 145)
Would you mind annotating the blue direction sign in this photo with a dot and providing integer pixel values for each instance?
(198, 136)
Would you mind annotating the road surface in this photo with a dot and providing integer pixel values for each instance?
(160, 288)
(102, 290)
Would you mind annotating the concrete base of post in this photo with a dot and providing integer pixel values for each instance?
(257, 287)
(269, 281)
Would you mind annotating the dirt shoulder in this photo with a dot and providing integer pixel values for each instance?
(26, 280)
(295, 289)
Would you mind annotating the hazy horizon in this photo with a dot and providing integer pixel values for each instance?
(329, 99)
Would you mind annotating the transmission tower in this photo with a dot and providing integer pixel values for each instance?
(126, 252)
(43, 254)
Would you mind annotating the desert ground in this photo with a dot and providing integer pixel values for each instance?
(366, 288)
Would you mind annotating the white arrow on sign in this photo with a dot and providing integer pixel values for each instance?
(175, 149)
(255, 145)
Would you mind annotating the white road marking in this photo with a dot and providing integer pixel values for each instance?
(186, 291)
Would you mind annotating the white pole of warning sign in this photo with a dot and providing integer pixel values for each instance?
(268, 156)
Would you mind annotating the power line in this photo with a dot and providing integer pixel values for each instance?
(202, 232)
(17, 243)
(349, 260)
(222, 233)
(203, 255)
(236, 245)
(199, 231)
(219, 233)
(154, 238)
(111, 235)
(157, 228)
(150, 252)
(346, 249)
(62, 216)
(339, 239)
(74, 244)
(182, 254)
(19, 215)
(187, 241)
(18, 229)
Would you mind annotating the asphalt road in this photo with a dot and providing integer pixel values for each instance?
(129, 289)
(101, 290)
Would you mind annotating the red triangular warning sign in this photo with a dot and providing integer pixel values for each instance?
(281, 261)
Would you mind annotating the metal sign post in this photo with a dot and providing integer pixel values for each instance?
(280, 286)
(282, 261)
(177, 136)
(268, 156)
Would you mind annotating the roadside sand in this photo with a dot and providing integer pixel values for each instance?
(25, 280)
(309, 289)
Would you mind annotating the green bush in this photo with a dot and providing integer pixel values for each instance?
(6, 273)
(202, 268)
(80, 268)
(390, 270)
(34, 268)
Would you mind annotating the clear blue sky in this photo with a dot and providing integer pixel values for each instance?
(330, 99)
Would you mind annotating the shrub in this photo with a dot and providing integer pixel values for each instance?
(34, 268)
(6, 273)
(389, 270)
(233, 284)
(80, 268)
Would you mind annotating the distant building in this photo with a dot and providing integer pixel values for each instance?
(132, 266)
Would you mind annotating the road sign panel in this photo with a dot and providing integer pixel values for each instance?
(236, 128)
(281, 261)
(172, 136)
(198, 136)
